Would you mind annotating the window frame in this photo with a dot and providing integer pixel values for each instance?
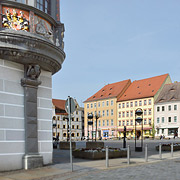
(112, 112)
(149, 102)
(175, 119)
(42, 6)
(107, 122)
(107, 112)
(145, 102)
(163, 108)
(20, 1)
(169, 119)
(169, 107)
(162, 119)
(131, 104)
(175, 107)
(107, 103)
(158, 120)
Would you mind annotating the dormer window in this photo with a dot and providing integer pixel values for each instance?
(172, 89)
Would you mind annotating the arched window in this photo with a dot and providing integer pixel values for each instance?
(44, 5)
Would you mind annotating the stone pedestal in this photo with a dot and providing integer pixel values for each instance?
(32, 161)
(66, 145)
(30, 82)
(93, 145)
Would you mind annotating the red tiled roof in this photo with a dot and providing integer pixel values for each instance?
(60, 104)
(143, 88)
(110, 90)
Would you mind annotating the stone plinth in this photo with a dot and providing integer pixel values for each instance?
(32, 161)
(91, 145)
(99, 155)
(66, 145)
(168, 148)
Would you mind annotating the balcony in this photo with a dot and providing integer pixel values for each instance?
(30, 36)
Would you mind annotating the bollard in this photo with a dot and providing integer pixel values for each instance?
(146, 154)
(107, 157)
(128, 155)
(172, 150)
(160, 154)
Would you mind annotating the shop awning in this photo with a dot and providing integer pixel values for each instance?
(147, 128)
(127, 129)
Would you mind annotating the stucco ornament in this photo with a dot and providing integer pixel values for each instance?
(43, 28)
(13, 21)
(33, 71)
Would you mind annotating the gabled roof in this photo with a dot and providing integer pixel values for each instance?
(60, 104)
(170, 92)
(110, 90)
(143, 88)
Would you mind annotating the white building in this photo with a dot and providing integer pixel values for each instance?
(167, 111)
(61, 123)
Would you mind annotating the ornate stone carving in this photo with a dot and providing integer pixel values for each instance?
(15, 55)
(33, 72)
(14, 20)
(43, 28)
(59, 36)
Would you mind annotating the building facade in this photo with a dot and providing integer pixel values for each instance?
(140, 94)
(104, 109)
(31, 51)
(61, 122)
(126, 116)
(167, 112)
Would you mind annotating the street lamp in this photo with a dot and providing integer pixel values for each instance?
(66, 118)
(139, 119)
(90, 123)
(97, 117)
(124, 138)
(90, 116)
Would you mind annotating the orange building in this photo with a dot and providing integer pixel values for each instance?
(103, 105)
(140, 94)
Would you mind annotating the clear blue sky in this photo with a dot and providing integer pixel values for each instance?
(107, 41)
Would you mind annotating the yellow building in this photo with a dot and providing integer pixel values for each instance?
(140, 94)
(103, 106)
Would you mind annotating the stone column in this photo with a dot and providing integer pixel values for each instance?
(30, 82)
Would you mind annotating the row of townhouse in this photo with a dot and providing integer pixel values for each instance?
(61, 123)
(114, 106)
